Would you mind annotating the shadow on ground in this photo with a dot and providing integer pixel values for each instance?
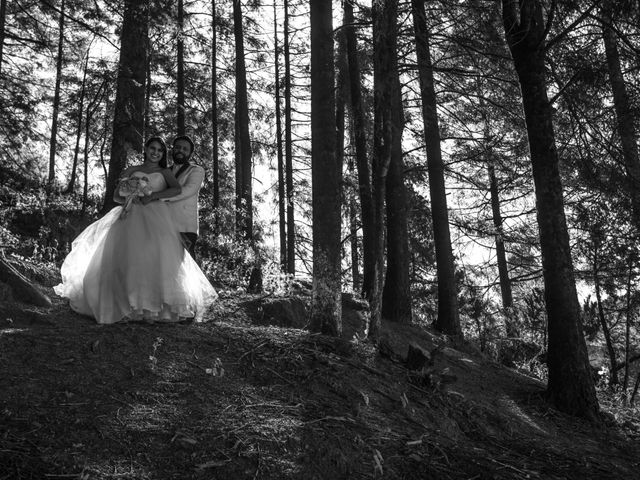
(229, 399)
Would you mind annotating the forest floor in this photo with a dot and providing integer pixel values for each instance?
(230, 399)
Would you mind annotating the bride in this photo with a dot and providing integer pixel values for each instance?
(130, 264)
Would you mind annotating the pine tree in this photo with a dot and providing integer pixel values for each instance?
(326, 309)
(570, 386)
(128, 116)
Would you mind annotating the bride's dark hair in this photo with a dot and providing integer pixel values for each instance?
(163, 160)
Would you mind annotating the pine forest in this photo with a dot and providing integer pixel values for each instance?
(421, 219)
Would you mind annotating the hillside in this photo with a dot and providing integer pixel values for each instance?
(231, 399)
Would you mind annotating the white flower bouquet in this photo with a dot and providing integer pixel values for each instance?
(132, 188)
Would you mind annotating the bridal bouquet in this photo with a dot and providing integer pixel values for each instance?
(132, 188)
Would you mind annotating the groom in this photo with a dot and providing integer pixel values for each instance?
(190, 177)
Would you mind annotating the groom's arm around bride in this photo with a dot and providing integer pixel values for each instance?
(185, 205)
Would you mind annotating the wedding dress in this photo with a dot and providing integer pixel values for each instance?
(135, 268)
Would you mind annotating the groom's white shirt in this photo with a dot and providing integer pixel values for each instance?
(185, 205)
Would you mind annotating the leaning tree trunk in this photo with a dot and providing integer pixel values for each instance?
(624, 112)
(22, 288)
(244, 199)
(448, 320)
(326, 178)
(396, 296)
(570, 386)
(56, 102)
(362, 161)
(288, 149)
(282, 207)
(384, 71)
(128, 118)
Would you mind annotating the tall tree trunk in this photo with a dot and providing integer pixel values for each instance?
(76, 151)
(624, 113)
(396, 296)
(362, 161)
(87, 137)
(128, 117)
(501, 255)
(627, 334)
(570, 386)
(448, 320)
(214, 109)
(384, 71)
(288, 149)
(92, 106)
(56, 102)
(613, 373)
(340, 68)
(353, 230)
(103, 145)
(635, 390)
(146, 128)
(180, 76)
(244, 203)
(282, 201)
(3, 15)
(326, 173)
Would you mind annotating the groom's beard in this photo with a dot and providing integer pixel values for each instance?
(180, 159)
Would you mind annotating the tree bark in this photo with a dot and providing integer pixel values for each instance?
(501, 255)
(448, 320)
(244, 198)
(288, 147)
(128, 119)
(510, 318)
(214, 110)
(353, 230)
(570, 385)
(326, 175)
(627, 333)
(384, 71)
(56, 102)
(282, 201)
(87, 136)
(396, 296)
(340, 68)
(3, 15)
(362, 161)
(147, 95)
(180, 111)
(624, 113)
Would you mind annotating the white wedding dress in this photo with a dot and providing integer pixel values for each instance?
(135, 268)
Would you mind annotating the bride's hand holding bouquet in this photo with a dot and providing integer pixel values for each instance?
(132, 189)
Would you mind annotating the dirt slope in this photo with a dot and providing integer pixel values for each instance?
(228, 399)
